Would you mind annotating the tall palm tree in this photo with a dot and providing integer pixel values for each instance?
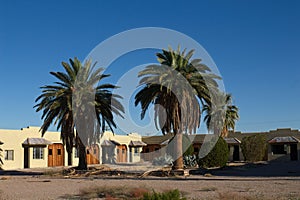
(57, 103)
(177, 87)
(1, 162)
(221, 116)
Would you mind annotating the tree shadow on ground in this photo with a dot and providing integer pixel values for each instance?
(261, 169)
(18, 173)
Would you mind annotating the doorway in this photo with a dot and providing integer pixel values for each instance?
(122, 154)
(55, 155)
(92, 154)
(26, 157)
(236, 153)
(294, 152)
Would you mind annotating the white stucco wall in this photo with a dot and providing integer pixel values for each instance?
(13, 140)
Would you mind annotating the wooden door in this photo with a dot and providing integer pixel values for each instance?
(55, 155)
(121, 153)
(93, 154)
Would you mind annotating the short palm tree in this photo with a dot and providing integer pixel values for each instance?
(221, 116)
(177, 87)
(57, 103)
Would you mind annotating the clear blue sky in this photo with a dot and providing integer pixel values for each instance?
(255, 44)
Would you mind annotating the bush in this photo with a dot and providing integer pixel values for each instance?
(254, 147)
(217, 157)
(170, 195)
(190, 161)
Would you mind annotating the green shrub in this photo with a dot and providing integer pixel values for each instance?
(170, 195)
(217, 157)
(254, 147)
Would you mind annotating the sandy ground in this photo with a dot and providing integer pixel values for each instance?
(237, 182)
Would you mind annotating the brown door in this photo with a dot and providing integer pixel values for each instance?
(92, 154)
(55, 155)
(121, 153)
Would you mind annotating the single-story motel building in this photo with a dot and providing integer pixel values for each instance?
(282, 145)
(25, 148)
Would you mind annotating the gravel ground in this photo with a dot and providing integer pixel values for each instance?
(197, 187)
(237, 181)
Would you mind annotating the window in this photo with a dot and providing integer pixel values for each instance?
(59, 152)
(38, 153)
(50, 152)
(76, 153)
(156, 149)
(147, 150)
(95, 151)
(136, 151)
(123, 151)
(9, 155)
(279, 149)
(87, 151)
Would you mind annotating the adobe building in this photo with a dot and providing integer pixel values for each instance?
(25, 148)
(121, 148)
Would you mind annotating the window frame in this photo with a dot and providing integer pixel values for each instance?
(38, 153)
(6, 155)
(136, 151)
(76, 153)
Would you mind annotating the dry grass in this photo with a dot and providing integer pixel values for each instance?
(110, 193)
(124, 193)
(237, 196)
(53, 172)
(208, 189)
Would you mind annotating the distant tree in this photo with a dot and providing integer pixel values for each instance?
(221, 115)
(56, 102)
(254, 147)
(177, 87)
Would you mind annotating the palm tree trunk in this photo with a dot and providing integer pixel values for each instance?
(70, 160)
(178, 164)
(82, 165)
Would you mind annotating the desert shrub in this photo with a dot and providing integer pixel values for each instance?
(125, 193)
(163, 160)
(169, 195)
(254, 147)
(190, 161)
(217, 157)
